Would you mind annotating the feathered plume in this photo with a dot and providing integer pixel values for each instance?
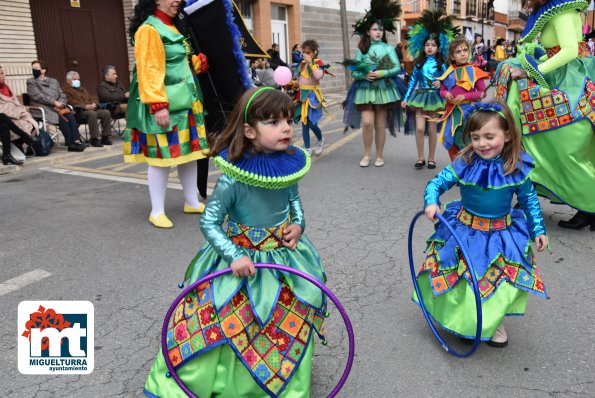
(431, 23)
(382, 11)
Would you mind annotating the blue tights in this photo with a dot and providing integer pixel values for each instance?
(306, 133)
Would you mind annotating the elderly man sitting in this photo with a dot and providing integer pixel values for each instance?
(86, 106)
(110, 91)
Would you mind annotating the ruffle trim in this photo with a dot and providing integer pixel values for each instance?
(530, 66)
(489, 174)
(538, 19)
(277, 170)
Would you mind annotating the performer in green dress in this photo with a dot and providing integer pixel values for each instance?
(553, 100)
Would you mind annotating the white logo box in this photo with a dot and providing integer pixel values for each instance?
(77, 360)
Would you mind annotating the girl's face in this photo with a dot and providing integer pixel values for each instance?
(376, 32)
(461, 54)
(271, 135)
(430, 47)
(169, 7)
(488, 142)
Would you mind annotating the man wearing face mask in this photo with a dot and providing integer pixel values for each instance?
(86, 106)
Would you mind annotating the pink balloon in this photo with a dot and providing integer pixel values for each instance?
(282, 75)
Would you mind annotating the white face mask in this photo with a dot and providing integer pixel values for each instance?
(76, 83)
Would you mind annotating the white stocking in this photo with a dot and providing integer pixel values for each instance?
(187, 173)
(157, 178)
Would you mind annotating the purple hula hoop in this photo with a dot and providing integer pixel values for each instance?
(277, 267)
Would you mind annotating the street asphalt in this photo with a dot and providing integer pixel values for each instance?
(85, 223)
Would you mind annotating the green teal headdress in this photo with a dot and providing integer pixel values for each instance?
(383, 12)
(431, 24)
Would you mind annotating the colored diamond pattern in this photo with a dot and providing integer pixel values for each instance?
(270, 353)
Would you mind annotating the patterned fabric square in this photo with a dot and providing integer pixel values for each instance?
(271, 353)
(255, 238)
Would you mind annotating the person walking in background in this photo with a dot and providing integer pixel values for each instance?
(164, 120)
(310, 101)
(427, 39)
(86, 107)
(490, 171)
(45, 92)
(374, 96)
(257, 195)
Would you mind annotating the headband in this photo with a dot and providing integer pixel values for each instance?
(485, 107)
(252, 98)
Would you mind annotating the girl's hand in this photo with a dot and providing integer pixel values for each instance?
(371, 76)
(291, 235)
(404, 104)
(243, 267)
(518, 73)
(541, 242)
(162, 117)
(431, 211)
(458, 99)
(448, 96)
(436, 84)
(308, 58)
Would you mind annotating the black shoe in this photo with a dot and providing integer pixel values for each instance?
(106, 141)
(96, 143)
(578, 221)
(76, 147)
(419, 164)
(8, 158)
(431, 164)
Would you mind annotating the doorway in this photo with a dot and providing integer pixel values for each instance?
(279, 29)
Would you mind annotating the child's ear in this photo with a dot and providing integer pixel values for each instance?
(507, 136)
(249, 131)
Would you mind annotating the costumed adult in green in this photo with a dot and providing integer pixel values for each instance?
(250, 334)
(553, 99)
(164, 119)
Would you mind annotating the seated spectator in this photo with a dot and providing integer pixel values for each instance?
(255, 64)
(45, 93)
(275, 59)
(86, 106)
(112, 96)
(16, 124)
(296, 54)
(265, 74)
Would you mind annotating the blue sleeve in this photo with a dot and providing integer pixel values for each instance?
(222, 199)
(527, 197)
(438, 185)
(412, 82)
(296, 212)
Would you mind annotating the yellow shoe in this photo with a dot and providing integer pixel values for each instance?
(194, 210)
(161, 221)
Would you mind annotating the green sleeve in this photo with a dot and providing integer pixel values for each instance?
(356, 74)
(562, 28)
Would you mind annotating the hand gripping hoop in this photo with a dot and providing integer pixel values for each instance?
(475, 286)
(277, 267)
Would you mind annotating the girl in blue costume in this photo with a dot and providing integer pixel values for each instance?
(490, 171)
(428, 43)
(249, 334)
(462, 85)
(553, 98)
(374, 97)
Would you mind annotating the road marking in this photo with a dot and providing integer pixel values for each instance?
(110, 176)
(23, 280)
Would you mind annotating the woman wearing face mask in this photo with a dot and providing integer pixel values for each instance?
(45, 92)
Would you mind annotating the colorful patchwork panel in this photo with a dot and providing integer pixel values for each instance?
(255, 238)
(272, 353)
(543, 110)
(443, 280)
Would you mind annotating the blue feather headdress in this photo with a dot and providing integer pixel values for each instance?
(484, 107)
(431, 24)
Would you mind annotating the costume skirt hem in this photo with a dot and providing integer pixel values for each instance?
(140, 158)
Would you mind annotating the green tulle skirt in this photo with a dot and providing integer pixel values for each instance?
(426, 100)
(219, 374)
(377, 92)
(455, 311)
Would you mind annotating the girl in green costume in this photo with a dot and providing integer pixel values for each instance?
(551, 90)
(249, 334)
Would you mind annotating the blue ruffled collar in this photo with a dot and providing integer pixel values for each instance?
(267, 170)
(544, 13)
(489, 174)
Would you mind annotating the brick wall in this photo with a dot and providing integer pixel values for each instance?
(324, 26)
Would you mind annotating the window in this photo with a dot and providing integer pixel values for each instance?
(472, 8)
(245, 7)
(456, 7)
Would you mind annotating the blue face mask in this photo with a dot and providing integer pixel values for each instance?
(76, 83)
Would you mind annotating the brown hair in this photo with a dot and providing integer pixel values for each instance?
(511, 153)
(458, 41)
(41, 63)
(311, 44)
(267, 104)
(532, 5)
(364, 41)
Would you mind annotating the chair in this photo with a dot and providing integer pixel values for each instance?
(40, 119)
(117, 115)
